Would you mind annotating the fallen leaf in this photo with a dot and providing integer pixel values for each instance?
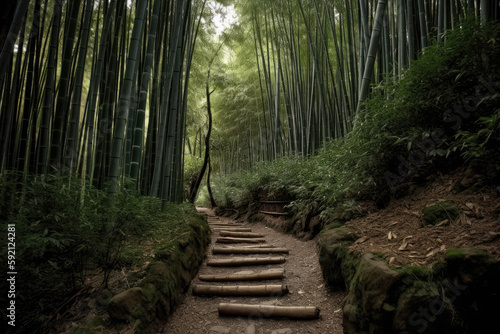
(391, 260)
(444, 222)
(470, 205)
(433, 252)
(361, 240)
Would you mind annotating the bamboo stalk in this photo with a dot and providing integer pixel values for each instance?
(266, 275)
(274, 213)
(269, 311)
(221, 225)
(245, 250)
(234, 229)
(259, 246)
(252, 261)
(241, 234)
(228, 240)
(240, 290)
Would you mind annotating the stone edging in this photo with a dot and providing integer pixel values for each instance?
(166, 280)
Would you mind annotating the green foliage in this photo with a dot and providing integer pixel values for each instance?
(442, 111)
(65, 228)
(438, 212)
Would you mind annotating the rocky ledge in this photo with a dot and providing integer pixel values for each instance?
(458, 294)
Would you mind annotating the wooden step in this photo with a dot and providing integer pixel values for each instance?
(263, 275)
(229, 240)
(233, 229)
(240, 290)
(246, 250)
(245, 261)
(241, 234)
(269, 311)
(259, 246)
(224, 225)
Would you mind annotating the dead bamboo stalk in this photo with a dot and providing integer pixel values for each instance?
(240, 290)
(241, 234)
(246, 250)
(245, 261)
(265, 275)
(269, 311)
(229, 240)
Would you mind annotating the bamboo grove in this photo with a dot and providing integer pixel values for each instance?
(316, 61)
(98, 88)
(102, 88)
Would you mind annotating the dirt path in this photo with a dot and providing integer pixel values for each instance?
(303, 277)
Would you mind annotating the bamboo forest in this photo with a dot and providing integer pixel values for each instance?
(344, 154)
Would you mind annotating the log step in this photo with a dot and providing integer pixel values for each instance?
(229, 240)
(224, 225)
(246, 250)
(259, 246)
(269, 311)
(240, 290)
(264, 275)
(233, 229)
(241, 234)
(245, 261)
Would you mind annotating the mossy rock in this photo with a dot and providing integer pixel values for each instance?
(469, 264)
(438, 212)
(421, 308)
(337, 263)
(122, 306)
(368, 307)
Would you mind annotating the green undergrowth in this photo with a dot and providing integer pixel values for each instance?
(443, 113)
(67, 231)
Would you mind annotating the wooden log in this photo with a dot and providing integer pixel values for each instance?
(269, 311)
(224, 225)
(245, 261)
(274, 213)
(259, 246)
(246, 250)
(229, 240)
(240, 290)
(241, 234)
(264, 275)
(233, 229)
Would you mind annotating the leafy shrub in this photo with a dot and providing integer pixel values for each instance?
(65, 229)
(444, 109)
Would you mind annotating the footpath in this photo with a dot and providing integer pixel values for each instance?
(257, 280)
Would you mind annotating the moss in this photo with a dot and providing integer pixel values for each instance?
(95, 321)
(438, 212)
(332, 225)
(379, 256)
(455, 254)
(140, 313)
(439, 269)
(411, 274)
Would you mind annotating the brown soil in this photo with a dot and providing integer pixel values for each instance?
(478, 226)
(303, 277)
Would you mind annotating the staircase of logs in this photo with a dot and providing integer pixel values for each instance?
(238, 246)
